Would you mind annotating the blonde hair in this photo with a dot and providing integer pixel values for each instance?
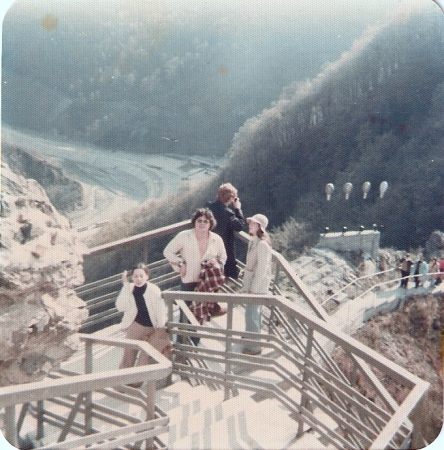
(226, 192)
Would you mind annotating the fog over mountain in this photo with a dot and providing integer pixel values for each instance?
(299, 98)
(122, 75)
(376, 114)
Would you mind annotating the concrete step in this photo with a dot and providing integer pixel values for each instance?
(237, 423)
(181, 399)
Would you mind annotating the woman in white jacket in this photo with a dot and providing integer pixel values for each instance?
(144, 313)
(257, 274)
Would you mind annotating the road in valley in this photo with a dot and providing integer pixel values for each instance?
(114, 181)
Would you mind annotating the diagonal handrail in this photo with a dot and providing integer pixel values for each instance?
(355, 281)
(377, 286)
(83, 384)
(312, 392)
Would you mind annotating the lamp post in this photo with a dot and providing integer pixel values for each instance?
(347, 189)
(329, 189)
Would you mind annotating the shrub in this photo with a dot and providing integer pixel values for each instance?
(292, 237)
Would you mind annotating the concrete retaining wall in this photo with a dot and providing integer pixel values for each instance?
(366, 241)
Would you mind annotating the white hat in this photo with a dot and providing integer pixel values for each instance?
(260, 219)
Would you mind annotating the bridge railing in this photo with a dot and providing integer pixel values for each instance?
(76, 406)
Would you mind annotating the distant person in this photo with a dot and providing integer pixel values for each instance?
(144, 315)
(229, 217)
(434, 271)
(189, 249)
(440, 270)
(257, 274)
(405, 268)
(419, 272)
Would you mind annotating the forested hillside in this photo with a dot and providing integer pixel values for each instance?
(376, 114)
(124, 78)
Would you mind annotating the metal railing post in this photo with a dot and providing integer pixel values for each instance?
(304, 397)
(417, 418)
(10, 426)
(276, 274)
(228, 349)
(150, 390)
(40, 421)
(88, 395)
(170, 313)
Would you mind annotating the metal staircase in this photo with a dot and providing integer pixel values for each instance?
(293, 395)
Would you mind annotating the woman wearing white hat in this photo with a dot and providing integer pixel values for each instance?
(257, 274)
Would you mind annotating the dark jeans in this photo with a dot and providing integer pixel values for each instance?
(405, 278)
(189, 287)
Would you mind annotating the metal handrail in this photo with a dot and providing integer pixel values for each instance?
(315, 330)
(138, 238)
(88, 382)
(281, 266)
(377, 286)
(354, 282)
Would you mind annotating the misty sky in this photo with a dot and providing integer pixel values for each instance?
(284, 11)
(281, 12)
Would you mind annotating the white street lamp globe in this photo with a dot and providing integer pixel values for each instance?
(329, 188)
(383, 188)
(347, 189)
(366, 188)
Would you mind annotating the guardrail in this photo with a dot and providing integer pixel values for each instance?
(297, 350)
(100, 295)
(313, 310)
(354, 282)
(82, 394)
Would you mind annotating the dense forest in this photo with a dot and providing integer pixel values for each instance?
(375, 114)
(121, 79)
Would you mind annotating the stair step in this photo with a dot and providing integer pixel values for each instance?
(239, 422)
(182, 399)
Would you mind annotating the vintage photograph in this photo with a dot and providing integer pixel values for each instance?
(222, 224)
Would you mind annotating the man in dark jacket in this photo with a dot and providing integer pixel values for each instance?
(405, 268)
(229, 217)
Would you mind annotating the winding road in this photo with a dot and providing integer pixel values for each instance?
(113, 181)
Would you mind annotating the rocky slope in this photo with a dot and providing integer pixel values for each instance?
(64, 192)
(412, 338)
(41, 264)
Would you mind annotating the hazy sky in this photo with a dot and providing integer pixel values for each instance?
(250, 10)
